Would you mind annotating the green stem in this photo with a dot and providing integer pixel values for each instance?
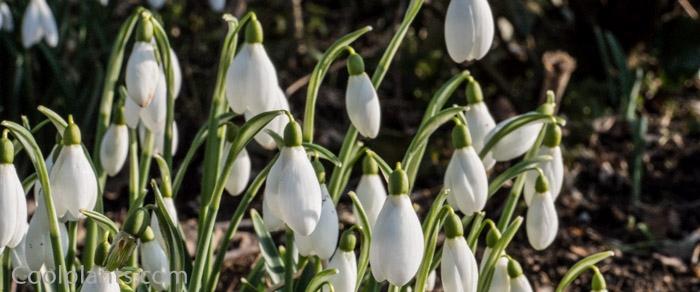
(73, 247)
(146, 155)
(429, 252)
(6, 270)
(580, 267)
(289, 261)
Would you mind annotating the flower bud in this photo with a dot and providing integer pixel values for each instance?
(361, 100)
(39, 23)
(458, 270)
(121, 250)
(468, 29)
(542, 222)
(114, 148)
(465, 177)
(598, 283)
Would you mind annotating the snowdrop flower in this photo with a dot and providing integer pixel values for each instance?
(397, 238)
(492, 237)
(100, 279)
(177, 73)
(465, 176)
(468, 29)
(552, 169)
(38, 23)
(500, 281)
(240, 173)
(370, 190)
(458, 270)
(518, 281)
(38, 251)
(278, 101)
(217, 5)
(344, 260)
(132, 113)
(73, 181)
(432, 280)
(272, 222)
(142, 70)
(154, 261)
(155, 224)
(324, 239)
(115, 145)
(251, 79)
(13, 204)
(479, 120)
(541, 223)
(153, 116)
(20, 268)
(156, 4)
(361, 99)
(598, 283)
(8, 23)
(519, 141)
(159, 138)
(292, 189)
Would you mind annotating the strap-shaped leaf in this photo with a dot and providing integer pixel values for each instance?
(496, 252)
(514, 124)
(322, 278)
(366, 231)
(105, 223)
(580, 267)
(173, 238)
(167, 187)
(515, 170)
(55, 119)
(273, 262)
(322, 153)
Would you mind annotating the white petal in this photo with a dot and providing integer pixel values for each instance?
(480, 123)
(458, 271)
(240, 173)
(500, 281)
(466, 179)
(73, 183)
(114, 148)
(251, 80)
(217, 5)
(432, 280)
(542, 222)
(142, 74)
(362, 105)
(515, 143)
(10, 185)
(372, 194)
(346, 264)
(323, 240)
(132, 113)
(19, 261)
(298, 192)
(277, 125)
(520, 284)
(159, 137)
(468, 29)
(153, 116)
(272, 222)
(553, 171)
(100, 280)
(156, 4)
(397, 242)
(155, 264)
(32, 30)
(21, 219)
(48, 24)
(8, 23)
(177, 73)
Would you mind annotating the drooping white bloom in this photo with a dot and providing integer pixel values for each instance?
(73, 183)
(293, 191)
(100, 280)
(177, 73)
(432, 280)
(372, 194)
(240, 173)
(158, 138)
(397, 238)
(132, 113)
(458, 268)
(154, 262)
(38, 23)
(155, 224)
(553, 171)
(20, 267)
(324, 239)
(38, 249)
(465, 177)
(154, 114)
(114, 148)
(362, 105)
(277, 102)
(515, 143)
(11, 202)
(468, 29)
(142, 73)
(480, 123)
(251, 80)
(272, 222)
(8, 23)
(542, 222)
(520, 284)
(156, 4)
(346, 264)
(500, 281)
(217, 5)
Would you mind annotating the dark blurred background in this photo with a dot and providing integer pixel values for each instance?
(626, 72)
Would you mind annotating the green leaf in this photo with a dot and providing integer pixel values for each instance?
(366, 231)
(251, 128)
(273, 262)
(55, 119)
(496, 252)
(515, 170)
(172, 237)
(105, 223)
(321, 279)
(164, 176)
(580, 267)
(514, 124)
(424, 133)
(322, 153)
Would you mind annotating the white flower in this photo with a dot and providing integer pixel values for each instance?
(177, 73)
(362, 105)
(542, 222)
(13, 205)
(468, 29)
(520, 284)
(480, 123)
(277, 101)
(38, 23)
(501, 280)
(142, 73)
(432, 280)
(397, 245)
(251, 80)
(156, 4)
(132, 113)
(465, 177)
(73, 183)
(38, 249)
(217, 5)
(155, 224)
(458, 268)
(272, 222)
(371, 193)
(114, 148)
(104, 2)
(516, 143)
(293, 191)
(154, 114)
(100, 280)
(159, 137)
(553, 171)
(346, 264)
(8, 23)
(240, 173)
(20, 268)
(323, 240)
(154, 262)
